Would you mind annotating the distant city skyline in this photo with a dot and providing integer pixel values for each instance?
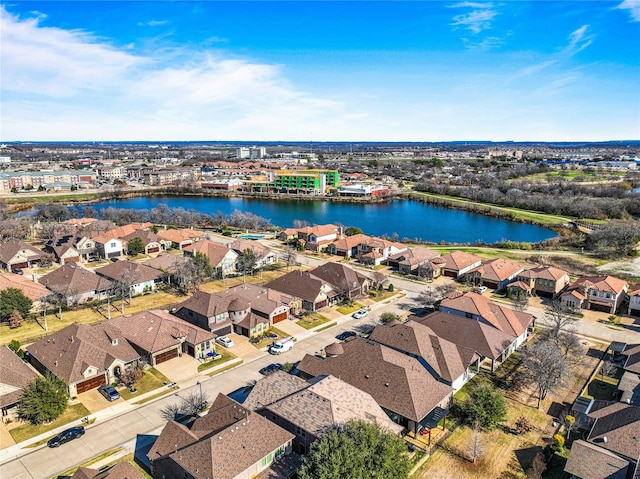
(320, 71)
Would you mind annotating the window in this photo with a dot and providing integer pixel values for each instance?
(266, 460)
(594, 293)
(300, 432)
(113, 244)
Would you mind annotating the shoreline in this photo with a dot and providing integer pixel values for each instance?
(559, 225)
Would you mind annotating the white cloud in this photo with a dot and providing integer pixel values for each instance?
(634, 8)
(67, 84)
(578, 41)
(478, 19)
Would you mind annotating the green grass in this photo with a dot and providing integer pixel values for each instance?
(51, 198)
(226, 357)
(349, 308)
(326, 326)
(151, 379)
(313, 320)
(226, 368)
(73, 413)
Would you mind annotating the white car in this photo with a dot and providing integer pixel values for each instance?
(226, 342)
(482, 289)
(361, 313)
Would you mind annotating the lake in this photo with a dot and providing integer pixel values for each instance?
(406, 218)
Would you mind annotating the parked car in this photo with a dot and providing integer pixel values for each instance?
(346, 335)
(66, 436)
(482, 289)
(109, 393)
(361, 313)
(270, 368)
(281, 346)
(226, 342)
(18, 271)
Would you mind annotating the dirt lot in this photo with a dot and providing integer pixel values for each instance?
(508, 455)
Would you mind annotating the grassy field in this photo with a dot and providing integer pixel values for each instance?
(349, 308)
(69, 198)
(526, 215)
(226, 357)
(313, 320)
(73, 413)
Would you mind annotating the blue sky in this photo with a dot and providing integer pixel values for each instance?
(320, 71)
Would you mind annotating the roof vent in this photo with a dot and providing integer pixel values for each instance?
(72, 339)
(114, 342)
(55, 363)
(366, 376)
(604, 439)
(386, 385)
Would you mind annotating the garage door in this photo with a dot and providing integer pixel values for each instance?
(19, 266)
(91, 384)
(450, 274)
(162, 357)
(605, 308)
(223, 331)
(279, 317)
(154, 249)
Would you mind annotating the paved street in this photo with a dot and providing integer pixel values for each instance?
(118, 426)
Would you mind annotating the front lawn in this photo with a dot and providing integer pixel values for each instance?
(151, 379)
(267, 340)
(226, 356)
(312, 320)
(349, 308)
(73, 413)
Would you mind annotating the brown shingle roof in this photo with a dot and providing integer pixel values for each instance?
(12, 247)
(588, 461)
(227, 441)
(241, 245)
(299, 284)
(167, 262)
(507, 320)
(72, 279)
(448, 360)
(214, 251)
(632, 363)
(15, 375)
(120, 470)
(547, 272)
(156, 330)
(316, 405)
(600, 283)
(137, 272)
(342, 277)
(396, 381)
(178, 236)
(482, 338)
(620, 424)
(69, 352)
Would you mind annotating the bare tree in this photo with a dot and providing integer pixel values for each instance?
(570, 346)
(290, 257)
(190, 405)
(559, 318)
(431, 295)
(379, 277)
(476, 447)
(608, 369)
(425, 271)
(544, 367)
(131, 375)
(520, 301)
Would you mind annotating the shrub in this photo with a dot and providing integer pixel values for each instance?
(523, 425)
(391, 288)
(558, 442)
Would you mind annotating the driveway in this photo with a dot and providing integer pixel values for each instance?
(94, 401)
(243, 348)
(182, 369)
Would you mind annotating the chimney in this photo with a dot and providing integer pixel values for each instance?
(604, 439)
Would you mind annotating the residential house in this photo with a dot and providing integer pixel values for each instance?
(151, 241)
(597, 293)
(222, 259)
(63, 249)
(180, 238)
(264, 256)
(313, 292)
(612, 446)
(450, 363)
(32, 290)
(416, 260)
(158, 336)
(347, 282)
(79, 222)
(516, 324)
(83, 356)
(629, 383)
(76, 284)
(319, 236)
(544, 281)
(375, 251)
(170, 264)
(346, 246)
(120, 470)
(408, 393)
(247, 309)
(229, 442)
(16, 254)
(108, 246)
(15, 376)
(310, 409)
(490, 343)
(457, 263)
(634, 301)
(494, 274)
(287, 234)
(140, 277)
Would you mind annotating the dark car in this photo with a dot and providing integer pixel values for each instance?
(346, 335)
(66, 436)
(270, 368)
(18, 271)
(109, 393)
